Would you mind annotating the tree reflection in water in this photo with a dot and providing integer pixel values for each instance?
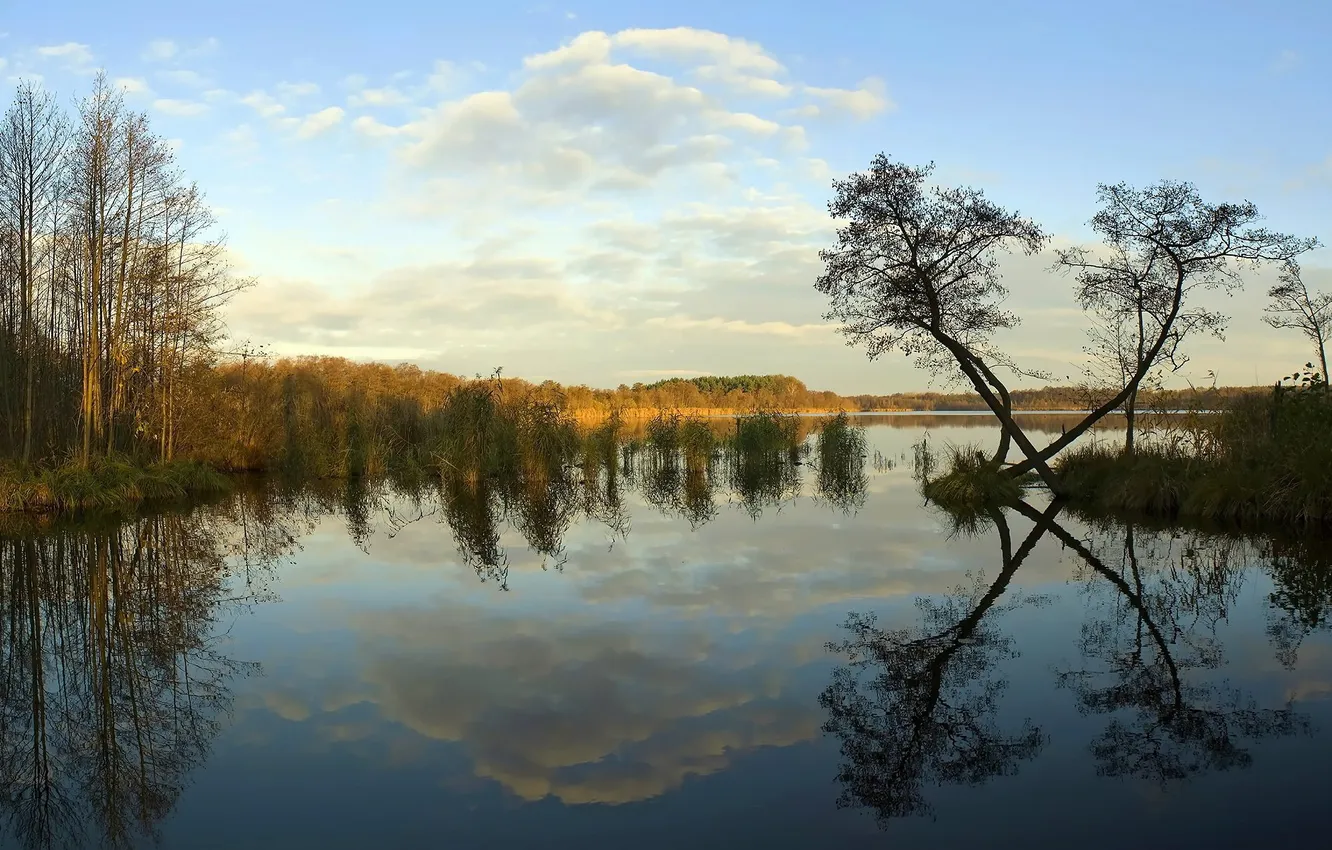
(1301, 601)
(112, 676)
(916, 707)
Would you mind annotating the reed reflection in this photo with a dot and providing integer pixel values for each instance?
(915, 707)
(113, 681)
(682, 468)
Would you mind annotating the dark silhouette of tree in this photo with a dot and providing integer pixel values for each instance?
(917, 270)
(1165, 726)
(1163, 247)
(1294, 307)
(915, 707)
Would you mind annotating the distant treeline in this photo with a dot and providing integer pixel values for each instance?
(1049, 398)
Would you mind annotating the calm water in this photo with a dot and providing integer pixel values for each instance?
(353, 669)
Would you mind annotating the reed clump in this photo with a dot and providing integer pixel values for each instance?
(479, 433)
(971, 483)
(841, 449)
(767, 435)
(106, 483)
(1263, 460)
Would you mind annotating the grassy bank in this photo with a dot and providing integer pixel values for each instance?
(1262, 461)
(105, 484)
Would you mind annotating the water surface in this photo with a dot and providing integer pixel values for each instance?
(671, 664)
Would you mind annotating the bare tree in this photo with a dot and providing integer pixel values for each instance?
(916, 270)
(32, 142)
(112, 273)
(1122, 330)
(1294, 306)
(1163, 247)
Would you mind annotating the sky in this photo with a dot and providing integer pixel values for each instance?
(613, 192)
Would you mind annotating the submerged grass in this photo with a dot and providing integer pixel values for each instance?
(105, 484)
(1261, 461)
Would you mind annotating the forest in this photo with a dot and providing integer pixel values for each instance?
(111, 281)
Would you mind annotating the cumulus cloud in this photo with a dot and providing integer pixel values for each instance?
(597, 145)
(74, 56)
(367, 126)
(580, 119)
(687, 44)
(184, 77)
(264, 104)
(294, 90)
(132, 85)
(160, 50)
(320, 122)
(378, 97)
(179, 108)
(866, 101)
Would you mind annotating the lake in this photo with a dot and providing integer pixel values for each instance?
(675, 662)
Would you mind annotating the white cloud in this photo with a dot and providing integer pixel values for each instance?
(180, 108)
(160, 50)
(444, 77)
(795, 138)
(242, 139)
(740, 326)
(132, 85)
(743, 83)
(386, 96)
(367, 126)
(868, 100)
(637, 186)
(687, 44)
(319, 122)
(589, 48)
(184, 77)
(746, 121)
(264, 104)
(294, 90)
(73, 55)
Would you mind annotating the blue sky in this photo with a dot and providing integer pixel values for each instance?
(611, 192)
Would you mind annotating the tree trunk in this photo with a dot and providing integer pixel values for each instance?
(1131, 414)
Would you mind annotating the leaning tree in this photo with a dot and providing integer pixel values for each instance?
(916, 269)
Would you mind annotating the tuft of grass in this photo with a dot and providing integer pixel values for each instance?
(110, 483)
(767, 435)
(971, 484)
(841, 460)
